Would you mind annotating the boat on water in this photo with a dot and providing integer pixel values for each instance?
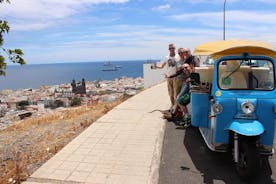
(108, 63)
(108, 66)
(110, 69)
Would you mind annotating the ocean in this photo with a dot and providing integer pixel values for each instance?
(36, 75)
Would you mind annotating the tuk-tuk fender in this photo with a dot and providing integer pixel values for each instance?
(246, 127)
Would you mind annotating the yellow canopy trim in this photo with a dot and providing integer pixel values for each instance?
(234, 47)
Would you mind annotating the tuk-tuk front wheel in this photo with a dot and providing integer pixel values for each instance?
(248, 163)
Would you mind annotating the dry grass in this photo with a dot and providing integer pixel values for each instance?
(27, 144)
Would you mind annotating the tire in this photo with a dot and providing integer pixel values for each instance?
(248, 165)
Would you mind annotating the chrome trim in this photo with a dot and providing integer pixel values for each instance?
(245, 116)
(217, 106)
(211, 147)
(209, 144)
(212, 126)
(247, 107)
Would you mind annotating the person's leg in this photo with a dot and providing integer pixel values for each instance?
(178, 86)
(174, 89)
(187, 117)
(184, 89)
(181, 107)
(170, 90)
(183, 101)
(185, 109)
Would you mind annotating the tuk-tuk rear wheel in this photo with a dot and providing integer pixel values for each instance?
(249, 160)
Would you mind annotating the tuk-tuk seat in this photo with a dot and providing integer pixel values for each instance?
(230, 78)
(206, 73)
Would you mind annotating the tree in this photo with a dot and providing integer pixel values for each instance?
(14, 55)
(59, 103)
(23, 103)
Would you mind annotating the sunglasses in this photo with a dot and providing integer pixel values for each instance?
(171, 48)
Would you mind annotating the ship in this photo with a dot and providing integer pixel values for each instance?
(108, 66)
(113, 68)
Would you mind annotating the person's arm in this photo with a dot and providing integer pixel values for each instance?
(162, 65)
(176, 74)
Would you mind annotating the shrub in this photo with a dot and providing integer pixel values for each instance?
(22, 104)
(75, 102)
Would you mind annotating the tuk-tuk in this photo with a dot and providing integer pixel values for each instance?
(234, 105)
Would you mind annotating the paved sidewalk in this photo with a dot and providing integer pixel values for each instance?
(123, 146)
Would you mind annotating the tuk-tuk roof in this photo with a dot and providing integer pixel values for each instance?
(221, 48)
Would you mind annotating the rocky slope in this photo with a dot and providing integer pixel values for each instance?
(29, 143)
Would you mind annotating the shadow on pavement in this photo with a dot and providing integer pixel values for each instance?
(213, 165)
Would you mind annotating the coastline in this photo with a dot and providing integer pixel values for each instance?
(23, 150)
(35, 75)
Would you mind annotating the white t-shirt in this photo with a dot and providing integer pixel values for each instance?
(170, 65)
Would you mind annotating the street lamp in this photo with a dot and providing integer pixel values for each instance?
(224, 20)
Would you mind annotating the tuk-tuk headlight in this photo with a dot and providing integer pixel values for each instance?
(247, 107)
(217, 108)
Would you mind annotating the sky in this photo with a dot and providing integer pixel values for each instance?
(58, 31)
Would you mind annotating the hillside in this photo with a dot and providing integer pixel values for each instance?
(27, 144)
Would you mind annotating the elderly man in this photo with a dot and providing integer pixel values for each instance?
(170, 62)
(180, 61)
(193, 61)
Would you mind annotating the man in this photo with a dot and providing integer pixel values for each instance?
(193, 61)
(183, 98)
(180, 60)
(170, 63)
(179, 64)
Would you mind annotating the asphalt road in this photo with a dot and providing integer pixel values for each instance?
(187, 160)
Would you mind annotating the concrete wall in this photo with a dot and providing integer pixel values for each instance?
(152, 76)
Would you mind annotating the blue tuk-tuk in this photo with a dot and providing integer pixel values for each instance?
(234, 105)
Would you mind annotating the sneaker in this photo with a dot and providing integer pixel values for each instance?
(186, 125)
(186, 117)
(182, 120)
(181, 123)
(186, 120)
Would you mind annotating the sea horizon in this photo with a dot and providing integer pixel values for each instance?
(39, 74)
(76, 62)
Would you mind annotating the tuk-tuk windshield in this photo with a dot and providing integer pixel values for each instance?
(246, 74)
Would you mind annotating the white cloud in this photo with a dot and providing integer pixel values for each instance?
(229, 1)
(211, 1)
(267, 1)
(162, 7)
(140, 41)
(38, 14)
(123, 42)
(236, 17)
(25, 26)
(257, 25)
